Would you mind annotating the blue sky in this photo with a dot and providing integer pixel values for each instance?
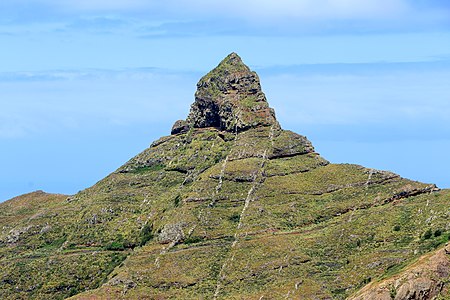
(87, 84)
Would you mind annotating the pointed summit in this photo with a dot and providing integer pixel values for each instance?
(249, 213)
(232, 62)
(229, 98)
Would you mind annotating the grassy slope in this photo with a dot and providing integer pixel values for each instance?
(206, 214)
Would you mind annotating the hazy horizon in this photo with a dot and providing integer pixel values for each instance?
(86, 85)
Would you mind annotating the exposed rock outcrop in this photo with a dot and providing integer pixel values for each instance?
(171, 233)
(229, 98)
(230, 206)
(424, 280)
(179, 127)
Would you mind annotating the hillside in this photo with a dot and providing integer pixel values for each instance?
(229, 206)
(427, 278)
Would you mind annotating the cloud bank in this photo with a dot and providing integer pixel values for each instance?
(250, 16)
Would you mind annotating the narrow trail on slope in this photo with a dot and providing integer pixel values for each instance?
(219, 184)
(173, 243)
(258, 180)
(222, 172)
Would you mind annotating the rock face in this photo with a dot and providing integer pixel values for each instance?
(424, 280)
(229, 206)
(229, 98)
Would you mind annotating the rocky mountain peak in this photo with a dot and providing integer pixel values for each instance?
(229, 98)
(240, 209)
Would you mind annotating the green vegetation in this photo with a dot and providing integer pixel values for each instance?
(146, 234)
(393, 292)
(177, 201)
(115, 246)
(55, 244)
(152, 168)
(235, 218)
(428, 234)
(193, 240)
(305, 219)
(238, 215)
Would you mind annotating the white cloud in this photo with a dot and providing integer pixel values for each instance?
(306, 9)
(396, 97)
(241, 16)
(18, 125)
(45, 103)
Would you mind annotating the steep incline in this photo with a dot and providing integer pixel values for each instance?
(230, 206)
(427, 278)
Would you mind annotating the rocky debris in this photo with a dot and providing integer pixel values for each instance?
(229, 98)
(287, 143)
(136, 165)
(107, 210)
(161, 140)
(45, 229)
(125, 283)
(409, 192)
(425, 280)
(14, 234)
(94, 219)
(39, 215)
(180, 126)
(418, 288)
(171, 233)
(236, 178)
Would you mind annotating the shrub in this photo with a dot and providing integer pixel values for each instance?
(144, 169)
(366, 280)
(427, 235)
(235, 218)
(193, 239)
(146, 234)
(177, 201)
(73, 291)
(115, 246)
(392, 292)
(397, 228)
